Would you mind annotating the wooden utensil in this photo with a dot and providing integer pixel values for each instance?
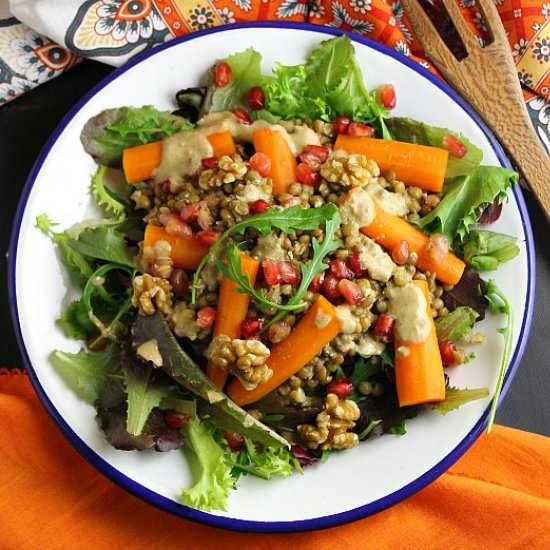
(487, 79)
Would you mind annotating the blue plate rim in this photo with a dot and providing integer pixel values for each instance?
(322, 522)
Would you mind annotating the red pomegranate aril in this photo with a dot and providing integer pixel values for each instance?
(351, 291)
(222, 74)
(341, 124)
(242, 116)
(261, 163)
(454, 146)
(317, 282)
(207, 238)
(356, 264)
(205, 317)
(360, 130)
(450, 355)
(384, 325)
(176, 420)
(234, 440)
(251, 327)
(259, 206)
(256, 98)
(311, 160)
(307, 175)
(342, 387)
(303, 456)
(176, 226)
(386, 95)
(270, 271)
(341, 270)
(209, 163)
(400, 253)
(318, 151)
(330, 288)
(290, 273)
(190, 212)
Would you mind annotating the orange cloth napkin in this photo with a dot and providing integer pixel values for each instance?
(497, 495)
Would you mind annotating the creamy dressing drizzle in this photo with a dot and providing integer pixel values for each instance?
(393, 203)
(357, 208)
(408, 305)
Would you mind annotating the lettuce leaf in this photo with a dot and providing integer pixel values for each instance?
(487, 250)
(456, 397)
(456, 325)
(104, 197)
(464, 198)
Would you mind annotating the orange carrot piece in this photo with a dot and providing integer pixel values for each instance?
(231, 312)
(316, 329)
(414, 164)
(222, 143)
(139, 163)
(389, 230)
(186, 251)
(419, 376)
(283, 163)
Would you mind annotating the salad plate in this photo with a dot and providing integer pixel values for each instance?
(351, 485)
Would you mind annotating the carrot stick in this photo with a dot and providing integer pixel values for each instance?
(139, 163)
(316, 329)
(419, 373)
(283, 163)
(389, 230)
(222, 143)
(231, 312)
(186, 251)
(414, 164)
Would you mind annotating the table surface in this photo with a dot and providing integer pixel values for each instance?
(25, 125)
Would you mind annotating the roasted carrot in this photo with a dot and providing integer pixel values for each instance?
(419, 376)
(283, 163)
(186, 251)
(389, 230)
(414, 164)
(314, 331)
(222, 143)
(139, 163)
(231, 312)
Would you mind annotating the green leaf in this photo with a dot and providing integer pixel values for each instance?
(75, 321)
(104, 197)
(456, 397)
(363, 370)
(372, 424)
(487, 250)
(213, 475)
(456, 325)
(87, 373)
(412, 131)
(400, 429)
(464, 198)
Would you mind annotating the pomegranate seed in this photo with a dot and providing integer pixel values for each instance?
(207, 238)
(437, 248)
(205, 317)
(317, 150)
(165, 188)
(256, 98)
(317, 282)
(234, 440)
(304, 457)
(356, 264)
(342, 387)
(306, 175)
(277, 332)
(242, 116)
(454, 146)
(175, 225)
(350, 291)
(330, 288)
(341, 124)
(341, 270)
(176, 420)
(222, 74)
(360, 129)
(384, 326)
(450, 354)
(261, 163)
(209, 163)
(271, 273)
(251, 327)
(311, 160)
(259, 206)
(386, 95)
(400, 253)
(291, 201)
(290, 273)
(190, 212)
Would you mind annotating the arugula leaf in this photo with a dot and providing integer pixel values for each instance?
(457, 325)
(104, 197)
(486, 250)
(372, 424)
(464, 198)
(214, 481)
(413, 131)
(87, 373)
(456, 397)
(400, 429)
(498, 303)
(363, 369)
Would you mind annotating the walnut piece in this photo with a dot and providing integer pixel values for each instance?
(228, 170)
(244, 358)
(152, 294)
(333, 425)
(349, 170)
(184, 321)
